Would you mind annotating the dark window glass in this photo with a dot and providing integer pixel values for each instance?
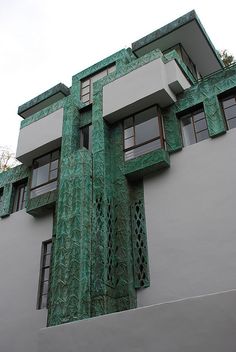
(229, 109)
(20, 196)
(86, 137)
(86, 94)
(45, 173)
(44, 274)
(1, 197)
(142, 133)
(194, 127)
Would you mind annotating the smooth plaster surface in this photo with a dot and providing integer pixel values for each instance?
(201, 324)
(21, 236)
(191, 222)
(147, 85)
(40, 137)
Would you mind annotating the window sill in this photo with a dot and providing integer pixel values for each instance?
(40, 204)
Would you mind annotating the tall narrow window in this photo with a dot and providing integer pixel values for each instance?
(45, 173)
(194, 127)
(86, 94)
(86, 137)
(229, 109)
(20, 196)
(143, 133)
(44, 274)
(1, 198)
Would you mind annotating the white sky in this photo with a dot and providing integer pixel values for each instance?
(44, 42)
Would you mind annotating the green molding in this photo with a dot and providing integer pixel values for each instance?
(7, 179)
(43, 113)
(144, 164)
(204, 92)
(59, 88)
(214, 116)
(38, 205)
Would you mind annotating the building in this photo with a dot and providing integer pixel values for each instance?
(125, 203)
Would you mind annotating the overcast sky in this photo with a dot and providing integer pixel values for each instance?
(44, 42)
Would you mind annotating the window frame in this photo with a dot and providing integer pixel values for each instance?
(41, 275)
(81, 135)
(23, 184)
(160, 124)
(1, 197)
(49, 181)
(223, 97)
(89, 85)
(192, 112)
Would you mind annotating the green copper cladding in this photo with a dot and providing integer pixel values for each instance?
(44, 100)
(38, 205)
(7, 180)
(70, 273)
(144, 164)
(42, 113)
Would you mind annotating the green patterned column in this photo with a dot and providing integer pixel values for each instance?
(214, 116)
(70, 273)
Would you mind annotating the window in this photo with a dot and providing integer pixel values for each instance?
(186, 59)
(1, 197)
(86, 94)
(86, 137)
(229, 109)
(194, 127)
(45, 173)
(143, 133)
(44, 274)
(20, 196)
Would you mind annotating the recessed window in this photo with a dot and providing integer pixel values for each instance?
(86, 137)
(194, 127)
(186, 59)
(229, 108)
(86, 94)
(45, 173)
(44, 274)
(19, 196)
(1, 197)
(143, 133)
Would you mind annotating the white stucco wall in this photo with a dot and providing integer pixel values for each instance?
(21, 236)
(191, 222)
(40, 137)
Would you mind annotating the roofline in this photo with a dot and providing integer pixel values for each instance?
(171, 27)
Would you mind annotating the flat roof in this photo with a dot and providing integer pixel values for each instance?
(43, 100)
(188, 31)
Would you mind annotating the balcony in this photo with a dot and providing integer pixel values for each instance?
(153, 83)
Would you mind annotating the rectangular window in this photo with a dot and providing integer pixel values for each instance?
(186, 59)
(143, 133)
(19, 196)
(194, 127)
(229, 108)
(45, 173)
(1, 198)
(44, 274)
(86, 137)
(86, 94)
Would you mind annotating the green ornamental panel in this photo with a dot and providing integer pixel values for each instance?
(70, 273)
(7, 180)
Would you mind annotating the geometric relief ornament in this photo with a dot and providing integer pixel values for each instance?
(140, 253)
